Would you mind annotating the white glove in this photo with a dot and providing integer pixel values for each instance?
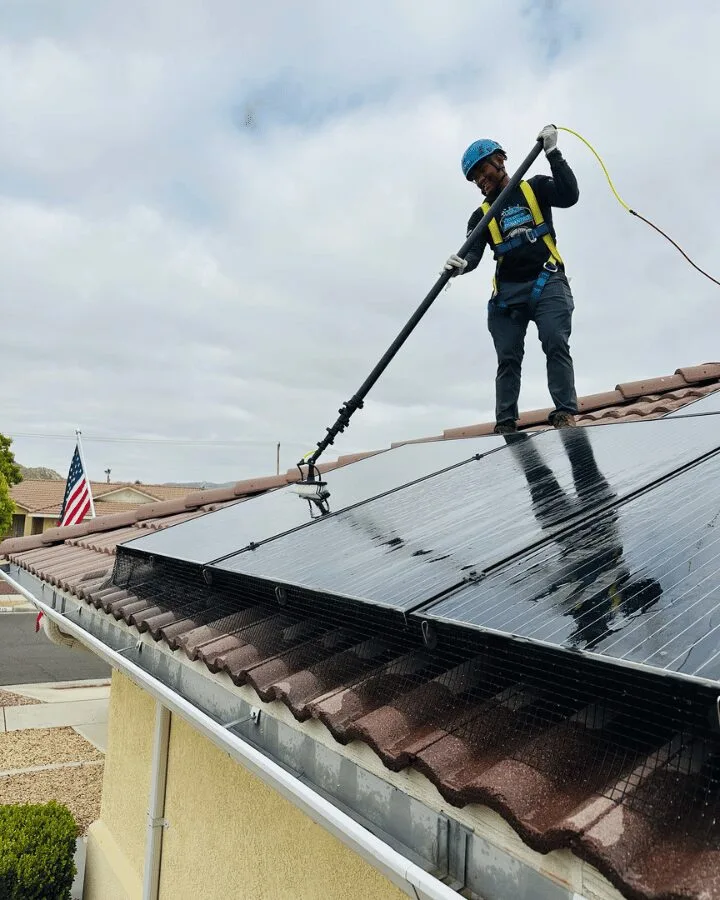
(455, 265)
(548, 136)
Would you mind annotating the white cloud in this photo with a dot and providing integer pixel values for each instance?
(169, 273)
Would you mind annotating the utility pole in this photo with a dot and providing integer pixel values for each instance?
(107, 473)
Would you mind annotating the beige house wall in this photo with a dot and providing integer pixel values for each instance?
(228, 835)
(31, 520)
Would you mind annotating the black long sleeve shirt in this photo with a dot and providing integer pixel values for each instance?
(525, 262)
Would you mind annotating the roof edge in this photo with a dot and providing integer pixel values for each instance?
(394, 865)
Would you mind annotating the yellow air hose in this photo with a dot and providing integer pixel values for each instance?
(632, 211)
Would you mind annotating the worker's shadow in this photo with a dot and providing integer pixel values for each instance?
(590, 580)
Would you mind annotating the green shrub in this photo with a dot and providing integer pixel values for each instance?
(37, 846)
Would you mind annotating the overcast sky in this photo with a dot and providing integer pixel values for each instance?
(215, 215)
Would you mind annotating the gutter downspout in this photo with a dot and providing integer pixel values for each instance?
(56, 636)
(155, 817)
(404, 874)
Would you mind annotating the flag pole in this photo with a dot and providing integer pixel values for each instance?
(85, 469)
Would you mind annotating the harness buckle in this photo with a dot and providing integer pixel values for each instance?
(531, 236)
(551, 267)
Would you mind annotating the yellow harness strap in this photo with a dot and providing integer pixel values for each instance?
(531, 200)
(493, 227)
(496, 236)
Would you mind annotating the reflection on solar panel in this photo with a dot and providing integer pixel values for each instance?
(218, 533)
(709, 404)
(406, 548)
(638, 583)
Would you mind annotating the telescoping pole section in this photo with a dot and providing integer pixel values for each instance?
(356, 401)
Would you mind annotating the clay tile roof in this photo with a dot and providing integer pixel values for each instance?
(45, 497)
(705, 372)
(422, 440)
(378, 700)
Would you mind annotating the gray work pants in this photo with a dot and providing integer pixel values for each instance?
(509, 313)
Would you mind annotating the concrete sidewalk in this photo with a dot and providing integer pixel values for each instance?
(11, 603)
(82, 705)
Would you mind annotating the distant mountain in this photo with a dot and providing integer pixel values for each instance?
(39, 473)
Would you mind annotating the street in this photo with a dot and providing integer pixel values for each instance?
(27, 657)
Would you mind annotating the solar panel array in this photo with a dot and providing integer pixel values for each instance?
(226, 530)
(409, 547)
(603, 540)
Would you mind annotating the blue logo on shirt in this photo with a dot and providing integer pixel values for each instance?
(515, 220)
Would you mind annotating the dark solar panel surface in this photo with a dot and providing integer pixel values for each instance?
(410, 546)
(639, 583)
(255, 520)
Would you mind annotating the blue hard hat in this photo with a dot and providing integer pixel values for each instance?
(477, 152)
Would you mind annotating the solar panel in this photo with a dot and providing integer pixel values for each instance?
(638, 583)
(410, 546)
(226, 530)
(708, 404)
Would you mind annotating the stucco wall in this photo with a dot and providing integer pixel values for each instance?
(108, 874)
(116, 845)
(229, 834)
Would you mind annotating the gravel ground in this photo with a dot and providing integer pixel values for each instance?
(44, 746)
(7, 698)
(78, 788)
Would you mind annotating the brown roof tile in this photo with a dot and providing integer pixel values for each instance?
(41, 495)
(423, 440)
(468, 431)
(259, 485)
(207, 497)
(705, 372)
(105, 542)
(631, 390)
(599, 401)
(356, 457)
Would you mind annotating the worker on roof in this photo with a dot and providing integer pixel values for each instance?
(530, 281)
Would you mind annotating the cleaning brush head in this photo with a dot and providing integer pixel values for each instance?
(312, 490)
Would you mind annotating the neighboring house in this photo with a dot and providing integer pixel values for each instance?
(38, 501)
(269, 741)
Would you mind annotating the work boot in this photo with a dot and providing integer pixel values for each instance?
(508, 427)
(563, 420)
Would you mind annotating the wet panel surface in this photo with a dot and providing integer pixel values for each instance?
(216, 534)
(406, 548)
(639, 583)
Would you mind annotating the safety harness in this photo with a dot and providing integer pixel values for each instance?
(541, 230)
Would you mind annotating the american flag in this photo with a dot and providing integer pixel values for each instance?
(78, 499)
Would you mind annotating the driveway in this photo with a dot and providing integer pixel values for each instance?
(30, 658)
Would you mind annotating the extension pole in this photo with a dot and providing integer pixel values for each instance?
(356, 401)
